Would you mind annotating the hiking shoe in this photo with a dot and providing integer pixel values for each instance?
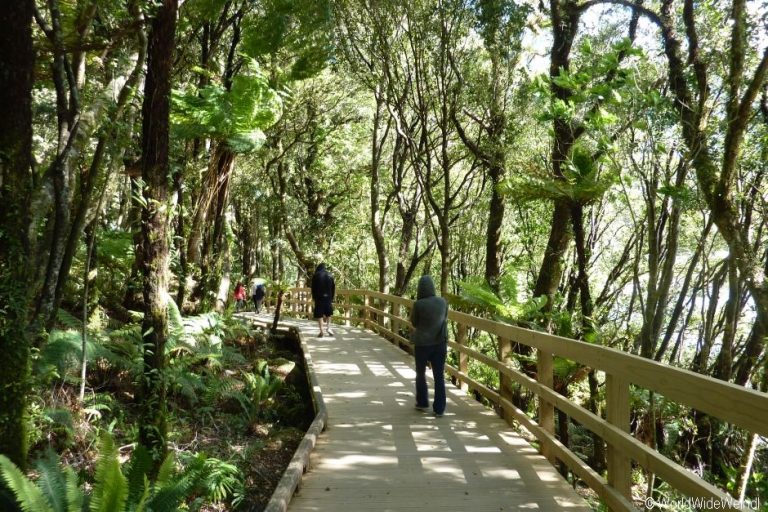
(421, 408)
(439, 414)
(330, 332)
(320, 335)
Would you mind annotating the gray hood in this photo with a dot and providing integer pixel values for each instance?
(426, 288)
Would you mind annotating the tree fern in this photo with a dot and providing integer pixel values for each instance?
(29, 496)
(68, 320)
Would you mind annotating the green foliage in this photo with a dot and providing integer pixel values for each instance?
(115, 488)
(259, 391)
(222, 480)
(63, 352)
(110, 491)
(477, 296)
(300, 31)
(582, 182)
(29, 496)
(501, 22)
(236, 117)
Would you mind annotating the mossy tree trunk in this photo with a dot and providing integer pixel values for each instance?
(155, 228)
(16, 245)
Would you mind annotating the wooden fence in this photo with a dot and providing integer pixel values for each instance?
(739, 406)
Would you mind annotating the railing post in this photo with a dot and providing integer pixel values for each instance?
(395, 323)
(461, 339)
(617, 413)
(505, 383)
(347, 310)
(366, 313)
(387, 322)
(545, 376)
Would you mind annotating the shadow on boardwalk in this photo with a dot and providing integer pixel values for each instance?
(380, 454)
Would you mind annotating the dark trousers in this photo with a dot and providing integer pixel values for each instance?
(435, 355)
(257, 303)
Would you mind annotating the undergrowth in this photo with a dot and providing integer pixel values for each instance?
(235, 417)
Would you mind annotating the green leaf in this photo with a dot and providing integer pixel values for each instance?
(110, 491)
(137, 474)
(28, 495)
(165, 472)
(51, 480)
(74, 494)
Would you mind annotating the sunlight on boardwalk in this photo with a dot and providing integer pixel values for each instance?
(378, 453)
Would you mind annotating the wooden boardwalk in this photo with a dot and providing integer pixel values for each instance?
(378, 453)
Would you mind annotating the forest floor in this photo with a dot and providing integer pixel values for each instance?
(207, 414)
(274, 443)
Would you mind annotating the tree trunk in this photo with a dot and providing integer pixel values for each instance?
(376, 215)
(493, 233)
(178, 185)
(16, 247)
(565, 24)
(716, 180)
(133, 298)
(551, 269)
(210, 257)
(155, 229)
(89, 182)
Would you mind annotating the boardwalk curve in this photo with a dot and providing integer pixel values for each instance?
(380, 454)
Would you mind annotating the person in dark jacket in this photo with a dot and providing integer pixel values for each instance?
(323, 290)
(429, 317)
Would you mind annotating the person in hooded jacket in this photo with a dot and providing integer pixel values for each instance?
(429, 318)
(323, 290)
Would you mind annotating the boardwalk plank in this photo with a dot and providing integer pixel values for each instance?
(380, 454)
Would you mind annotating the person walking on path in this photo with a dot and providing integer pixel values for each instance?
(239, 296)
(323, 290)
(429, 321)
(258, 292)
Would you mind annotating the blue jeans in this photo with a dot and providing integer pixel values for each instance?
(434, 354)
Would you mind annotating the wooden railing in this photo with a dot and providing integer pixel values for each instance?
(739, 406)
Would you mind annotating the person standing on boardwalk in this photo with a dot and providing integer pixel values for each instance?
(429, 320)
(323, 290)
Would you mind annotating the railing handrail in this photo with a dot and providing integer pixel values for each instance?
(742, 407)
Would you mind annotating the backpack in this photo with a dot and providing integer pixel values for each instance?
(259, 292)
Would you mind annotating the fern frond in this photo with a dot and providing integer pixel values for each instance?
(51, 481)
(170, 496)
(111, 489)
(176, 332)
(28, 495)
(68, 320)
(74, 494)
(138, 470)
(141, 503)
(165, 472)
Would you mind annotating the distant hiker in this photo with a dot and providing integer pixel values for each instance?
(258, 292)
(323, 290)
(239, 296)
(429, 317)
